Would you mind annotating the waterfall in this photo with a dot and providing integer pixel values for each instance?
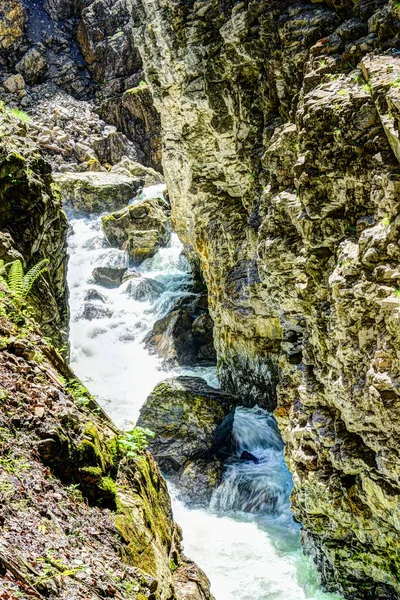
(262, 487)
(247, 541)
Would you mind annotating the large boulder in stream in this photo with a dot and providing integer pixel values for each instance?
(184, 413)
(110, 277)
(96, 192)
(184, 336)
(144, 289)
(144, 227)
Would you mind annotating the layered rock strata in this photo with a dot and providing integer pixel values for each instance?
(281, 148)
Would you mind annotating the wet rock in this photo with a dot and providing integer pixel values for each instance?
(93, 294)
(222, 444)
(198, 480)
(142, 245)
(110, 277)
(133, 222)
(145, 289)
(92, 310)
(249, 456)
(32, 66)
(185, 335)
(184, 413)
(93, 192)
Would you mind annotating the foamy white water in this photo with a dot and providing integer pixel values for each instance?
(247, 541)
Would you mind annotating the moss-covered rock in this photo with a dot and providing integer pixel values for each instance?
(76, 488)
(145, 226)
(96, 192)
(32, 224)
(184, 413)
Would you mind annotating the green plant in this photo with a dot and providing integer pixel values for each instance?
(78, 391)
(386, 220)
(21, 115)
(322, 62)
(367, 88)
(142, 83)
(134, 441)
(21, 284)
(343, 93)
(337, 134)
(172, 565)
(397, 293)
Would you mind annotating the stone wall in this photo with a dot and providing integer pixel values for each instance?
(280, 129)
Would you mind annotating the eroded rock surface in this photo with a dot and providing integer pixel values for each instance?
(281, 154)
(184, 336)
(32, 224)
(79, 517)
(184, 413)
(143, 227)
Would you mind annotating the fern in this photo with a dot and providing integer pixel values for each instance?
(19, 283)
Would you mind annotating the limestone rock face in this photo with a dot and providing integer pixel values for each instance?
(12, 23)
(281, 154)
(32, 223)
(105, 35)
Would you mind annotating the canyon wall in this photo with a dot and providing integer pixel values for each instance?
(84, 512)
(32, 224)
(281, 151)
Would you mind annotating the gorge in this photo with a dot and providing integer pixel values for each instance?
(230, 174)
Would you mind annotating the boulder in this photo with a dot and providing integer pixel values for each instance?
(128, 167)
(113, 146)
(32, 66)
(93, 310)
(145, 289)
(185, 335)
(142, 245)
(95, 192)
(93, 294)
(110, 277)
(14, 83)
(144, 216)
(198, 480)
(184, 413)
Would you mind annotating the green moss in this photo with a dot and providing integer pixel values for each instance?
(108, 485)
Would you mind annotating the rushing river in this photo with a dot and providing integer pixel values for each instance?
(247, 541)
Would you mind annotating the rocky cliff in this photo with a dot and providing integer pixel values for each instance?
(281, 152)
(32, 224)
(80, 516)
(84, 510)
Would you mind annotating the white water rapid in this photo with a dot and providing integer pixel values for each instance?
(247, 541)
